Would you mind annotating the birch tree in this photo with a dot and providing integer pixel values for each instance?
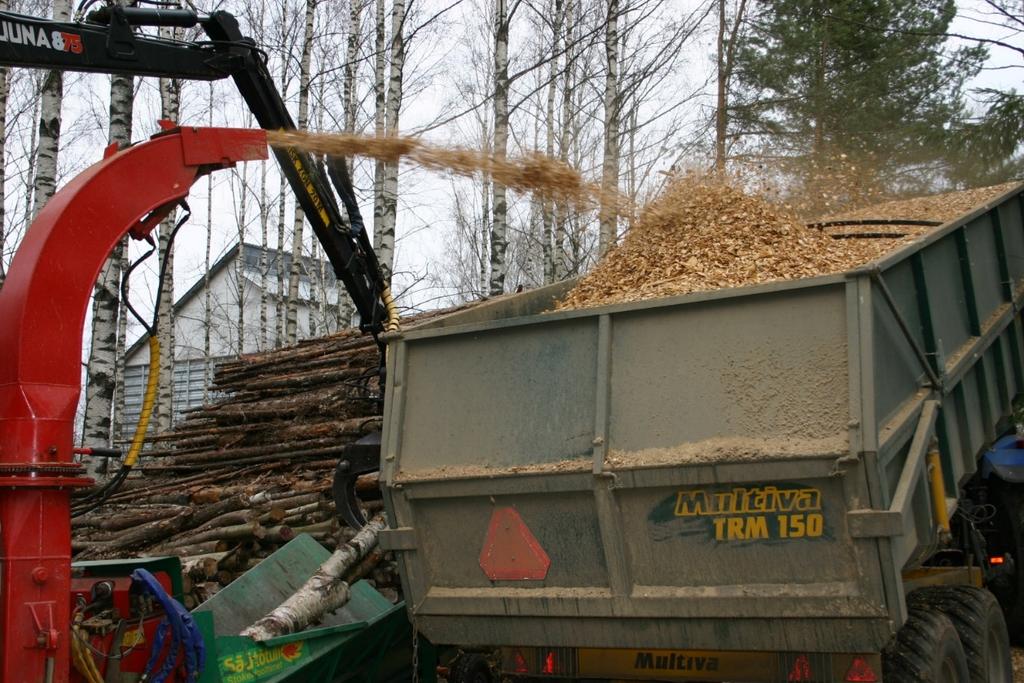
(350, 106)
(207, 310)
(562, 209)
(499, 220)
(242, 217)
(379, 120)
(610, 163)
(548, 204)
(170, 105)
(291, 329)
(102, 376)
(389, 208)
(51, 98)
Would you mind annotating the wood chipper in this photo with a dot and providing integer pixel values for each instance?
(51, 623)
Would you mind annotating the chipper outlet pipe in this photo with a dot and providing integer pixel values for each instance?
(42, 313)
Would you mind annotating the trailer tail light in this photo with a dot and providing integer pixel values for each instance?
(861, 672)
(801, 669)
(549, 663)
(519, 663)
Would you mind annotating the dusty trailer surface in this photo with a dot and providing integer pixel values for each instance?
(744, 484)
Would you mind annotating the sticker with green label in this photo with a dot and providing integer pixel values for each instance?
(255, 663)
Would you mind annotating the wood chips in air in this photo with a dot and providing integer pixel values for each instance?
(701, 235)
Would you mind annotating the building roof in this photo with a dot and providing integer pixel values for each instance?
(251, 260)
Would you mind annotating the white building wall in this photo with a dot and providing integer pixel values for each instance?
(192, 371)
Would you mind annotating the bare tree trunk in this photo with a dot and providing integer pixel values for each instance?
(49, 125)
(170, 103)
(282, 301)
(720, 111)
(610, 164)
(726, 54)
(119, 354)
(207, 294)
(33, 146)
(485, 233)
(279, 311)
(102, 371)
(264, 222)
(499, 221)
(562, 209)
(350, 106)
(393, 108)
(379, 122)
(291, 330)
(243, 205)
(548, 206)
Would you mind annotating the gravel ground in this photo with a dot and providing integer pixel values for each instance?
(1018, 665)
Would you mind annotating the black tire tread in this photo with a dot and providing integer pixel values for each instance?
(910, 656)
(968, 608)
(466, 666)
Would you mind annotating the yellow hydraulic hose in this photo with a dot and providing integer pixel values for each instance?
(391, 308)
(82, 658)
(937, 487)
(148, 401)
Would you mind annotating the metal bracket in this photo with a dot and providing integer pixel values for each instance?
(403, 538)
(874, 523)
(936, 381)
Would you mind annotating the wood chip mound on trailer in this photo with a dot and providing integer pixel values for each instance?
(702, 235)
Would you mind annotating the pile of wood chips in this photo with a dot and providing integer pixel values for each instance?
(240, 477)
(701, 235)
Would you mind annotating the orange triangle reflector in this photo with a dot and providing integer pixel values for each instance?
(511, 552)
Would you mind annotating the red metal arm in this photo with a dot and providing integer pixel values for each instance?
(42, 313)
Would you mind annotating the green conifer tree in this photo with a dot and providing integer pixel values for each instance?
(872, 83)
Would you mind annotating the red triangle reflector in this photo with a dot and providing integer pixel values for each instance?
(511, 552)
(520, 663)
(861, 672)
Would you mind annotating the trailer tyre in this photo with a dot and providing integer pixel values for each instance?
(927, 648)
(978, 620)
(470, 667)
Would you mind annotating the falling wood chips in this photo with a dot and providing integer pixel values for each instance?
(701, 235)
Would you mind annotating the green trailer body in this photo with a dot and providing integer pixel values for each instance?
(741, 469)
(368, 640)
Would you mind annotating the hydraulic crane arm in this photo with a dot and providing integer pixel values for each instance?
(108, 43)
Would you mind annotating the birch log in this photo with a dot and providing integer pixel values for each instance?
(323, 592)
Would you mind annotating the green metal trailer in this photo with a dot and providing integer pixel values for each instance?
(775, 482)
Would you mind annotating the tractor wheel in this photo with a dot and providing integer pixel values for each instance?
(470, 667)
(978, 620)
(927, 648)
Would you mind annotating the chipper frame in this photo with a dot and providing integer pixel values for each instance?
(42, 308)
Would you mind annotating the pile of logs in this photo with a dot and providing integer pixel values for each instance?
(246, 473)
